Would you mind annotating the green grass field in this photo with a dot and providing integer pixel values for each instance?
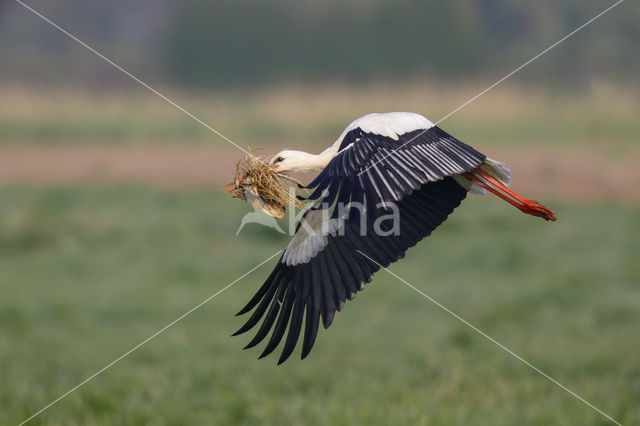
(86, 273)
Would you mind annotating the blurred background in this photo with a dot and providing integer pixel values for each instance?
(112, 223)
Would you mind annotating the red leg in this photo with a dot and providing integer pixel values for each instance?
(487, 182)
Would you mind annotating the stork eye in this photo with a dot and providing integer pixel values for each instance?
(277, 160)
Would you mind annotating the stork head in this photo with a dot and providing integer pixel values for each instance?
(296, 161)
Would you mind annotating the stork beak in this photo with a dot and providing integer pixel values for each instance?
(232, 186)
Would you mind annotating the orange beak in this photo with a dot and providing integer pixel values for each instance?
(232, 186)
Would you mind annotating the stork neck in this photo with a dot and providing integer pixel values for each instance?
(315, 161)
(327, 155)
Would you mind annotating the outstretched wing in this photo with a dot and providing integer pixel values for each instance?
(366, 209)
(385, 169)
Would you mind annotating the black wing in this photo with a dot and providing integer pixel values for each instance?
(385, 169)
(322, 266)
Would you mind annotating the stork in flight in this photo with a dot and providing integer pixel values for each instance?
(398, 158)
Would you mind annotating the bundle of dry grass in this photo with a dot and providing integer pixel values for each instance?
(260, 185)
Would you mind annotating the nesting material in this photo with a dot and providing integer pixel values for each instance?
(260, 185)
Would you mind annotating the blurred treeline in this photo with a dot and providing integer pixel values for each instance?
(240, 43)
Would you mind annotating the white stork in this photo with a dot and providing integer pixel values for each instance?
(395, 157)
